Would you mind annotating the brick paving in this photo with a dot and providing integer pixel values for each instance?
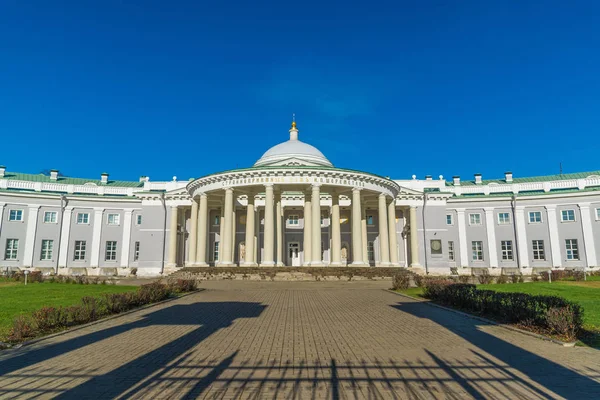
(286, 340)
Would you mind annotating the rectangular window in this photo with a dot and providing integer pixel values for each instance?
(15, 215)
(217, 220)
(293, 220)
(79, 254)
(324, 219)
(370, 251)
(507, 249)
(475, 219)
(370, 220)
(47, 246)
(113, 219)
(503, 218)
(597, 214)
(451, 256)
(436, 246)
(535, 217)
(216, 252)
(138, 219)
(111, 251)
(12, 248)
(50, 217)
(136, 251)
(538, 249)
(477, 248)
(83, 218)
(567, 215)
(449, 219)
(242, 220)
(572, 249)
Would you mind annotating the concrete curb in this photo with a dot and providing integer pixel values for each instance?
(108, 318)
(489, 321)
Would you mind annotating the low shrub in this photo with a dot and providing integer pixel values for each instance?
(485, 278)
(464, 279)
(535, 278)
(401, 280)
(22, 329)
(515, 278)
(419, 280)
(550, 313)
(48, 318)
(502, 279)
(433, 287)
(183, 285)
(33, 276)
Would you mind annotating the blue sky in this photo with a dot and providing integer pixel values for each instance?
(188, 88)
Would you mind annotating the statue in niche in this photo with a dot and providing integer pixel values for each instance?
(243, 251)
(344, 253)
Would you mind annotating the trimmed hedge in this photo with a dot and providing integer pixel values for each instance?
(51, 319)
(551, 314)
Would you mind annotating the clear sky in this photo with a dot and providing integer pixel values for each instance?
(188, 88)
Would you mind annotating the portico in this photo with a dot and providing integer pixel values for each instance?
(294, 206)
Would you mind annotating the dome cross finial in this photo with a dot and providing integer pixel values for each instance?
(294, 130)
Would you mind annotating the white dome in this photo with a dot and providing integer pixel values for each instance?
(293, 152)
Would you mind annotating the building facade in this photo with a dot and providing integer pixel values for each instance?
(294, 208)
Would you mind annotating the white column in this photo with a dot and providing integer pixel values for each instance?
(172, 260)
(363, 232)
(279, 224)
(316, 226)
(384, 240)
(491, 236)
(553, 233)
(193, 238)
(267, 260)
(126, 241)
(414, 238)
(249, 260)
(233, 232)
(357, 246)
(462, 237)
(336, 236)
(307, 241)
(393, 236)
(221, 230)
(225, 249)
(522, 235)
(2, 206)
(256, 233)
(587, 217)
(64, 237)
(96, 237)
(202, 229)
(32, 217)
(405, 212)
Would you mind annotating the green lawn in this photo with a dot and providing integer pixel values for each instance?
(16, 298)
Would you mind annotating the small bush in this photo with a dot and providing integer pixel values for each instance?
(564, 321)
(22, 329)
(419, 280)
(48, 318)
(502, 279)
(535, 278)
(183, 285)
(433, 287)
(153, 292)
(485, 278)
(515, 278)
(401, 280)
(464, 279)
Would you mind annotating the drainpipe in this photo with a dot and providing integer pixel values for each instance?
(425, 233)
(63, 205)
(513, 208)
(164, 203)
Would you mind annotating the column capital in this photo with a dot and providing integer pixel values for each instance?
(269, 184)
(316, 185)
(356, 189)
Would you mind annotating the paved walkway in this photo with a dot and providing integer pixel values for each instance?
(297, 340)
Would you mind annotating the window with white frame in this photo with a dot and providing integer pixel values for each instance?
(111, 251)
(535, 217)
(138, 219)
(79, 254)
(136, 251)
(503, 218)
(538, 249)
(216, 251)
(50, 217)
(477, 248)
(83, 218)
(451, 256)
(567, 215)
(572, 249)
(370, 251)
(370, 220)
(15, 215)
(47, 246)
(475, 219)
(597, 214)
(12, 248)
(293, 219)
(113, 219)
(506, 247)
(449, 219)
(324, 218)
(217, 220)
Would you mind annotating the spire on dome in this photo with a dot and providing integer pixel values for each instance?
(293, 130)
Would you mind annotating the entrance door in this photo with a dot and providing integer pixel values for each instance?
(294, 254)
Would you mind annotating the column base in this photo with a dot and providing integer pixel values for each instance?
(171, 265)
(359, 264)
(394, 265)
(225, 264)
(415, 265)
(306, 264)
(383, 264)
(200, 265)
(249, 264)
(280, 264)
(336, 264)
(269, 264)
(317, 264)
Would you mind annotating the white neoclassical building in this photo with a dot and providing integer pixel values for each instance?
(294, 208)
